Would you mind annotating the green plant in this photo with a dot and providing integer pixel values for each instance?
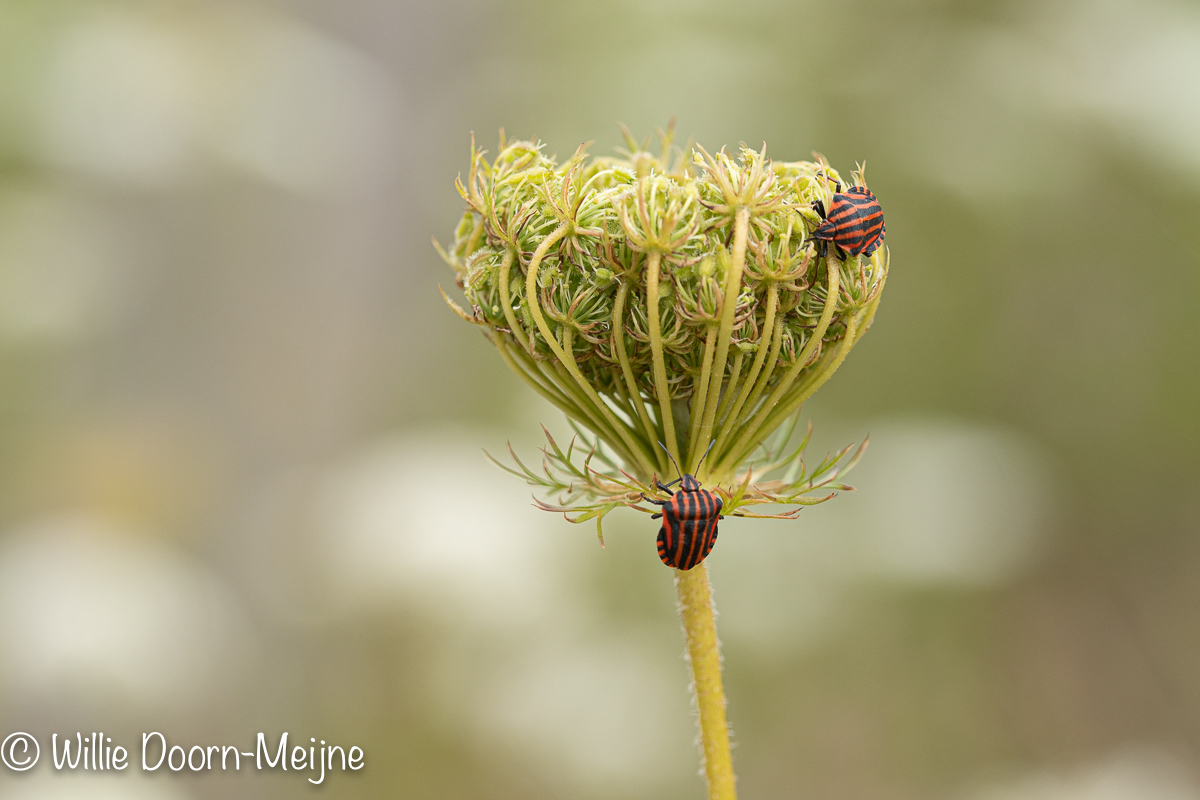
(666, 297)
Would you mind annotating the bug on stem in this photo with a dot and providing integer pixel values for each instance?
(689, 519)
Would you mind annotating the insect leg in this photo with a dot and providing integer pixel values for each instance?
(666, 486)
(656, 502)
(656, 516)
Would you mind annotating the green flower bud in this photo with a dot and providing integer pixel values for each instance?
(657, 298)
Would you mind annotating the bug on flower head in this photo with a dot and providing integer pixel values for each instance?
(689, 519)
(854, 223)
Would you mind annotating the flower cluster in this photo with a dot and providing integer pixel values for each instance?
(662, 297)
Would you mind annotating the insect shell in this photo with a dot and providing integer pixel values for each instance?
(689, 522)
(854, 223)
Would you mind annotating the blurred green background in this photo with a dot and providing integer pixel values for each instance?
(241, 485)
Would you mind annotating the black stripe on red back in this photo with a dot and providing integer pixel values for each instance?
(689, 528)
(854, 222)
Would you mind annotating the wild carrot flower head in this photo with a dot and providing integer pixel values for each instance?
(664, 296)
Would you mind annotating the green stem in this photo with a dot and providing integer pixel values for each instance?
(733, 288)
(551, 392)
(857, 326)
(557, 379)
(620, 399)
(702, 388)
(766, 343)
(513, 325)
(749, 431)
(635, 396)
(535, 309)
(603, 424)
(653, 262)
(609, 423)
(547, 387)
(807, 388)
(764, 380)
(735, 372)
(699, 626)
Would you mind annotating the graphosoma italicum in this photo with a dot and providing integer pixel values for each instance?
(689, 520)
(854, 223)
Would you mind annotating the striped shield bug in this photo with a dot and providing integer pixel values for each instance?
(854, 223)
(689, 519)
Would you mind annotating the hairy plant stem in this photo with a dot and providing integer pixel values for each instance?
(769, 334)
(748, 432)
(699, 625)
(626, 445)
(635, 396)
(702, 388)
(653, 263)
(857, 326)
(733, 287)
(520, 363)
(735, 372)
(505, 298)
(568, 360)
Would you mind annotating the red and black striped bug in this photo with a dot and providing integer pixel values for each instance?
(854, 223)
(689, 519)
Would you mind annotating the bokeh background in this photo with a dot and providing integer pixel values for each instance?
(241, 479)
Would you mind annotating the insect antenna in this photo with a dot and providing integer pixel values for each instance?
(706, 452)
(673, 461)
